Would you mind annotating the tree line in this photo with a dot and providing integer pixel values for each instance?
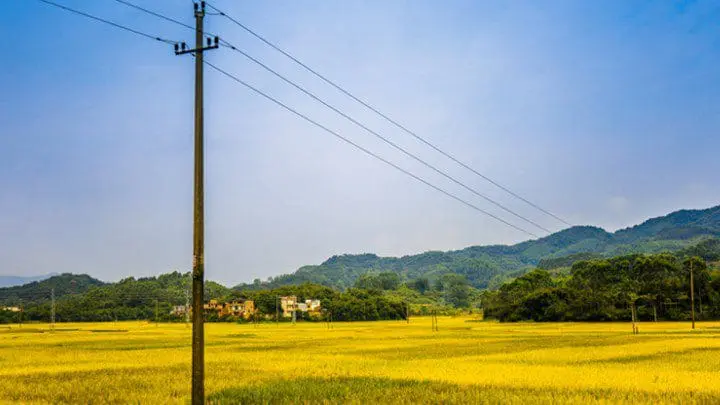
(645, 287)
(153, 298)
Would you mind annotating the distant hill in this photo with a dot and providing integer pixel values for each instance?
(10, 281)
(63, 284)
(488, 266)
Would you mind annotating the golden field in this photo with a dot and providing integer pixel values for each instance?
(384, 362)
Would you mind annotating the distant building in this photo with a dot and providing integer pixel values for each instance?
(288, 305)
(243, 308)
(234, 308)
(313, 305)
(249, 307)
(213, 305)
(12, 309)
(178, 310)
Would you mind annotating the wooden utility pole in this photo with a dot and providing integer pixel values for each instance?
(407, 312)
(634, 318)
(187, 306)
(52, 309)
(692, 294)
(198, 261)
(157, 310)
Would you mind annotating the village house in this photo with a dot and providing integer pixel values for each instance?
(12, 309)
(313, 305)
(213, 305)
(290, 303)
(178, 310)
(243, 308)
(234, 308)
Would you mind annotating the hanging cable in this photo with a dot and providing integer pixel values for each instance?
(383, 115)
(366, 151)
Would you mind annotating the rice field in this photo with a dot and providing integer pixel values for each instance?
(466, 361)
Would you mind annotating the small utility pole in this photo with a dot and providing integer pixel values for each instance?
(277, 310)
(692, 294)
(157, 310)
(187, 306)
(198, 261)
(52, 309)
(407, 312)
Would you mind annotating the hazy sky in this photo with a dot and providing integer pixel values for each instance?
(604, 112)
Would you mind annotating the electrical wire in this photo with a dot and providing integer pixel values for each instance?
(384, 116)
(164, 17)
(290, 109)
(366, 151)
(384, 139)
(348, 117)
(116, 25)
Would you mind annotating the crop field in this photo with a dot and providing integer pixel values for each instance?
(466, 361)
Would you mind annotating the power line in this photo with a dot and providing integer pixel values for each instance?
(384, 139)
(367, 151)
(306, 118)
(164, 17)
(384, 116)
(351, 119)
(116, 25)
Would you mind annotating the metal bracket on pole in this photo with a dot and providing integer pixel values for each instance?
(181, 49)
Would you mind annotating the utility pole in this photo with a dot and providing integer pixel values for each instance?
(187, 305)
(277, 310)
(157, 308)
(692, 294)
(198, 261)
(52, 309)
(407, 311)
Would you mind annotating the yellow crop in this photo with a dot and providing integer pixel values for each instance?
(365, 362)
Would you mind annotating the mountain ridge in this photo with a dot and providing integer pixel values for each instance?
(13, 280)
(488, 265)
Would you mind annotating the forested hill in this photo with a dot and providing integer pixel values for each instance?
(63, 284)
(488, 266)
(11, 281)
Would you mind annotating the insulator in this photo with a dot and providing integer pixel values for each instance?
(209, 42)
(195, 6)
(217, 40)
(177, 47)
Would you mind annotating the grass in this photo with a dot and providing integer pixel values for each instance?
(365, 362)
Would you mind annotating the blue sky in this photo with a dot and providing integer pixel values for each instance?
(605, 113)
